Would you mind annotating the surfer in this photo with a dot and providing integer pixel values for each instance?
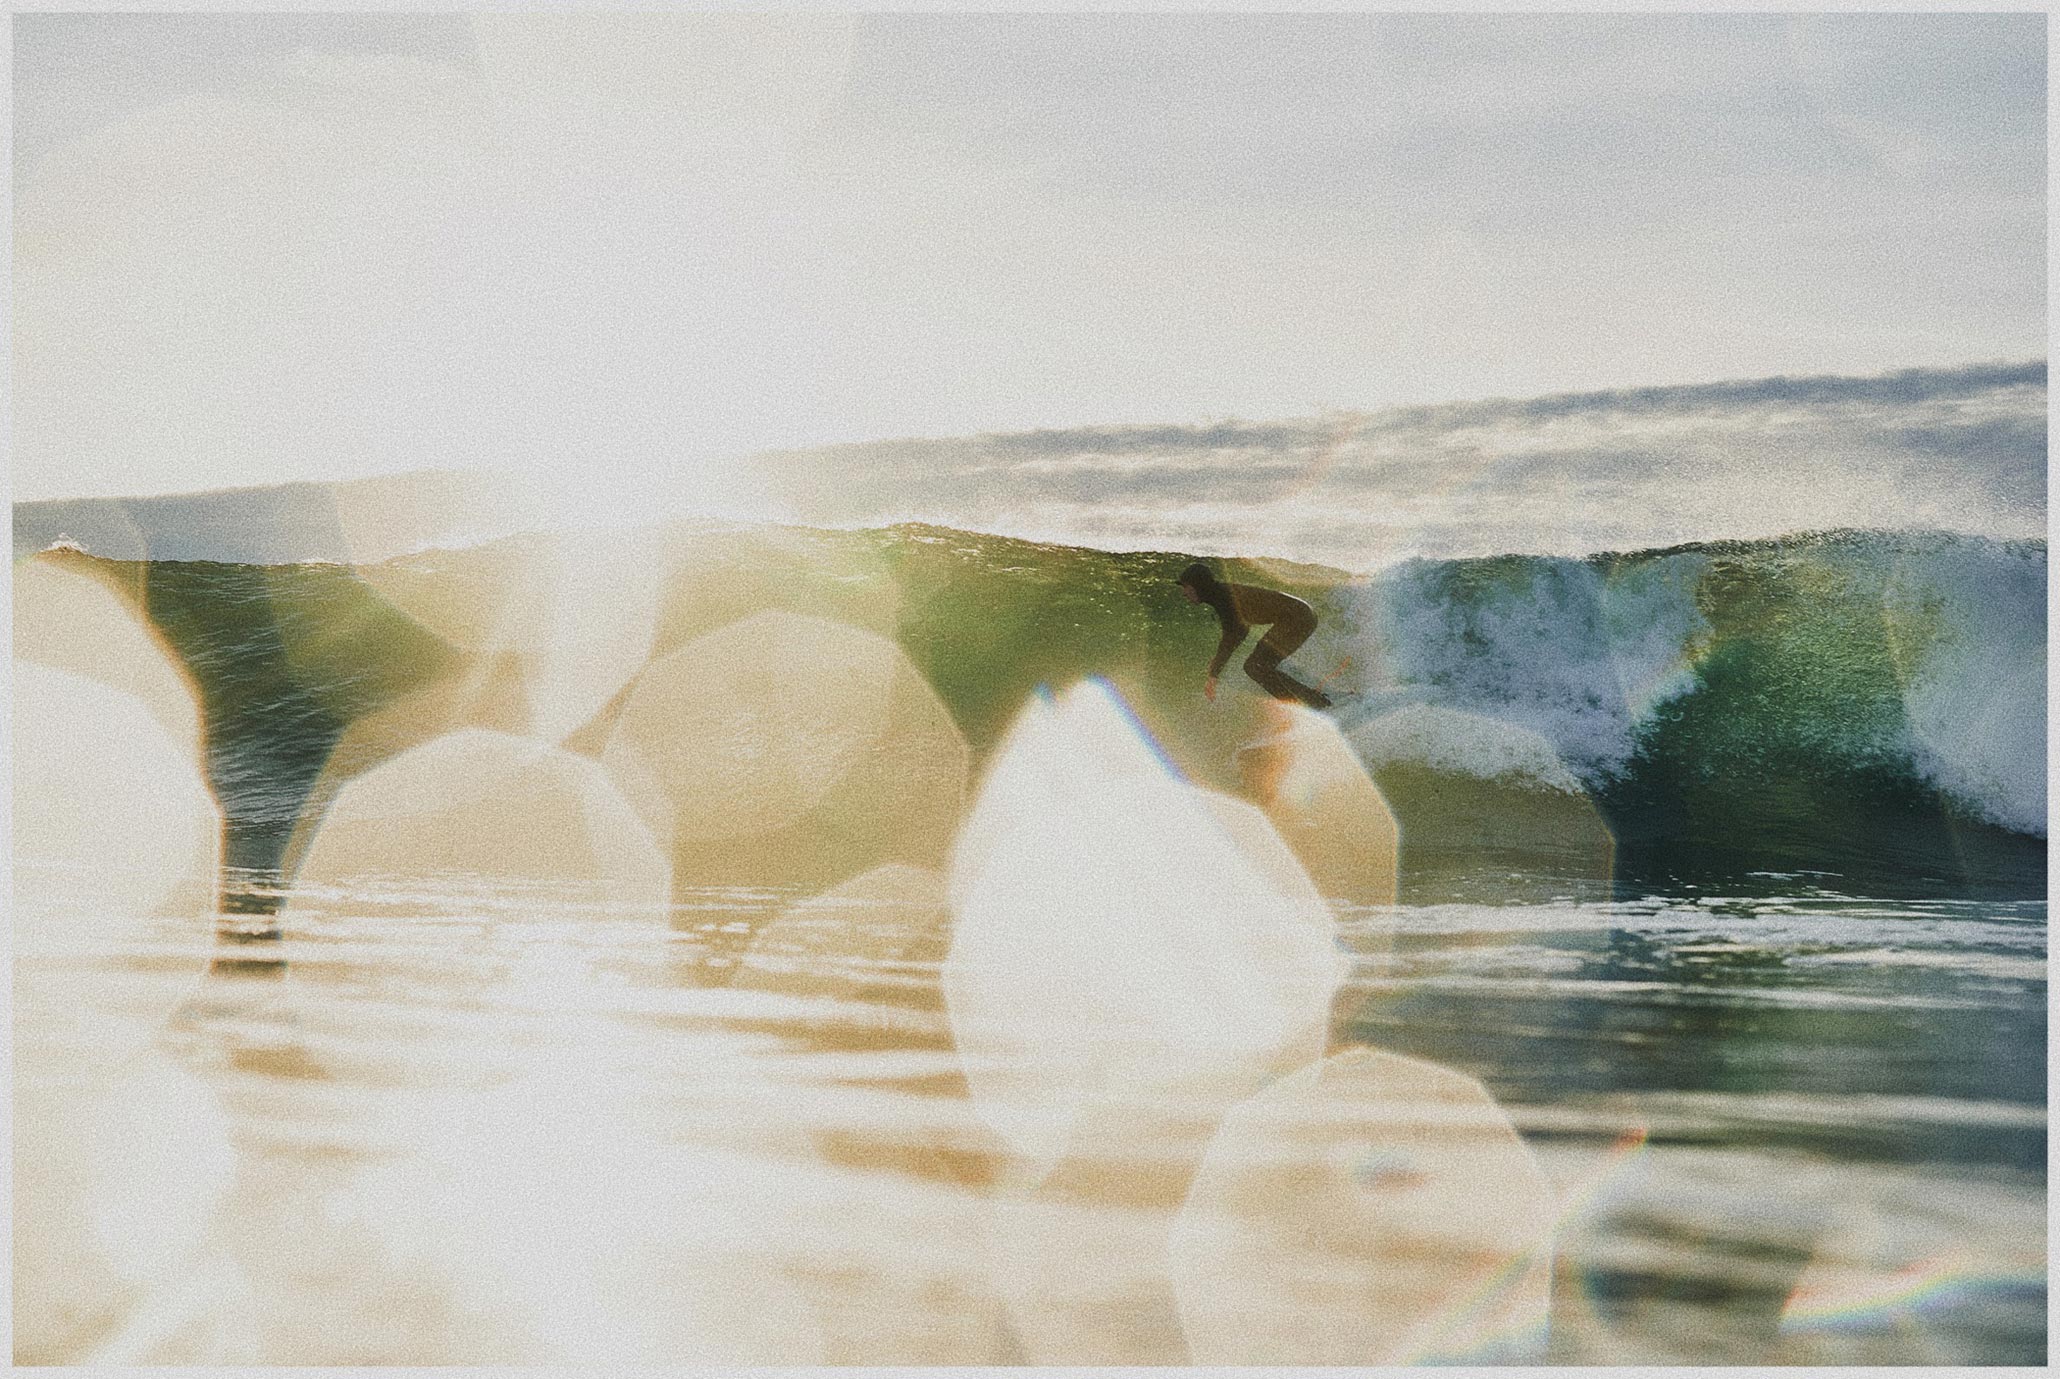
(1240, 608)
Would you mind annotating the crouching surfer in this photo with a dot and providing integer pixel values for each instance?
(1240, 608)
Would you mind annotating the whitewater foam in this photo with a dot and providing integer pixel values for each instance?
(1462, 744)
(1563, 649)
(1974, 675)
(1868, 651)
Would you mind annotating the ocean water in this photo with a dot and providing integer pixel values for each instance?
(747, 945)
(1789, 1128)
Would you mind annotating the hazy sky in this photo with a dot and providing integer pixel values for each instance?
(624, 248)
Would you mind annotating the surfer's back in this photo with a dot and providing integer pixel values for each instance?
(1259, 606)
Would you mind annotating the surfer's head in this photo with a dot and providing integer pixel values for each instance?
(1198, 584)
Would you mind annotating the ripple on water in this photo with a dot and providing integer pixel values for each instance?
(496, 1133)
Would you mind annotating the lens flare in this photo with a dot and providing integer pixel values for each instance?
(117, 1177)
(505, 810)
(112, 822)
(1110, 936)
(789, 750)
(1372, 1209)
(570, 1226)
(572, 614)
(885, 931)
(1865, 1298)
(68, 616)
(1130, 955)
(1312, 786)
(1872, 1302)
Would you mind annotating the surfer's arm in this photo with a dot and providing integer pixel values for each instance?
(1233, 634)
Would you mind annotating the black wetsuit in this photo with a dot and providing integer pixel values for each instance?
(1289, 622)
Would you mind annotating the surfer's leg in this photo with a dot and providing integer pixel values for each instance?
(1263, 665)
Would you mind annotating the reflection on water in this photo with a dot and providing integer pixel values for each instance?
(486, 1134)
